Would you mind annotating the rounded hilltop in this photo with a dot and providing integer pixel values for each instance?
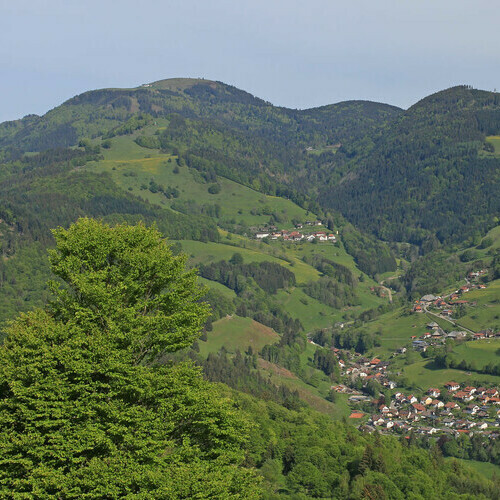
(179, 84)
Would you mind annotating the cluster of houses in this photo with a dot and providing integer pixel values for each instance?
(445, 307)
(452, 410)
(295, 235)
(435, 336)
(354, 365)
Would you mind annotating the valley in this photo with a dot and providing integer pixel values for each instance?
(339, 279)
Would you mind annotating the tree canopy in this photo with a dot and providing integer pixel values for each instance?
(86, 411)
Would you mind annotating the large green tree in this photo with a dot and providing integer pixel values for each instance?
(86, 411)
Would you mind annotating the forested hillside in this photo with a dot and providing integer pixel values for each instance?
(98, 379)
(432, 173)
(313, 233)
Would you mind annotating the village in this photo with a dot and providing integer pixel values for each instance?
(452, 409)
(273, 233)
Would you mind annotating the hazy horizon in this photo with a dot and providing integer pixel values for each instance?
(288, 53)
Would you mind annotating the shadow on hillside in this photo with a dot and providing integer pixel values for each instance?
(432, 365)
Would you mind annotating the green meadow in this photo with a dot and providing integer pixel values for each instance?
(132, 167)
(204, 253)
(423, 374)
(237, 333)
(227, 292)
(487, 469)
(312, 313)
(494, 140)
(486, 312)
(396, 328)
(481, 352)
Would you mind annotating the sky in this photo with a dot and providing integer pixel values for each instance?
(298, 54)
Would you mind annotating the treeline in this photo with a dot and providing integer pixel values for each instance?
(338, 272)
(287, 353)
(36, 201)
(371, 256)
(326, 361)
(135, 122)
(450, 360)
(358, 340)
(268, 275)
(254, 284)
(432, 273)
(475, 447)
(193, 208)
(332, 293)
(240, 372)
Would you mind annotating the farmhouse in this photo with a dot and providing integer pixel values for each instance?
(262, 234)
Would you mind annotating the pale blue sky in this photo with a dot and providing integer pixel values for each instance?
(293, 53)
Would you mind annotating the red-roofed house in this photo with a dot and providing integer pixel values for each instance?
(356, 414)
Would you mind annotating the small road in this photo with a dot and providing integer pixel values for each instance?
(454, 323)
(388, 290)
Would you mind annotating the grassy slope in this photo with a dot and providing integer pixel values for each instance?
(484, 468)
(237, 333)
(312, 313)
(494, 140)
(423, 375)
(204, 253)
(240, 333)
(486, 314)
(482, 352)
(227, 292)
(132, 166)
(397, 327)
(236, 201)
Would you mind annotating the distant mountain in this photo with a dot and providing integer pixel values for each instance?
(417, 175)
(433, 172)
(261, 140)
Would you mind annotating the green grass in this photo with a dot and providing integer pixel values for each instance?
(227, 292)
(204, 253)
(494, 140)
(237, 333)
(397, 327)
(313, 396)
(423, 375)
(481, 352)
(132, 166)
(485, 468)
(312, 313)
(337, 254)
(486, 314)
(123, 148)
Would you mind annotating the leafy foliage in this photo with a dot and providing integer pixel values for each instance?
(85, 411)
